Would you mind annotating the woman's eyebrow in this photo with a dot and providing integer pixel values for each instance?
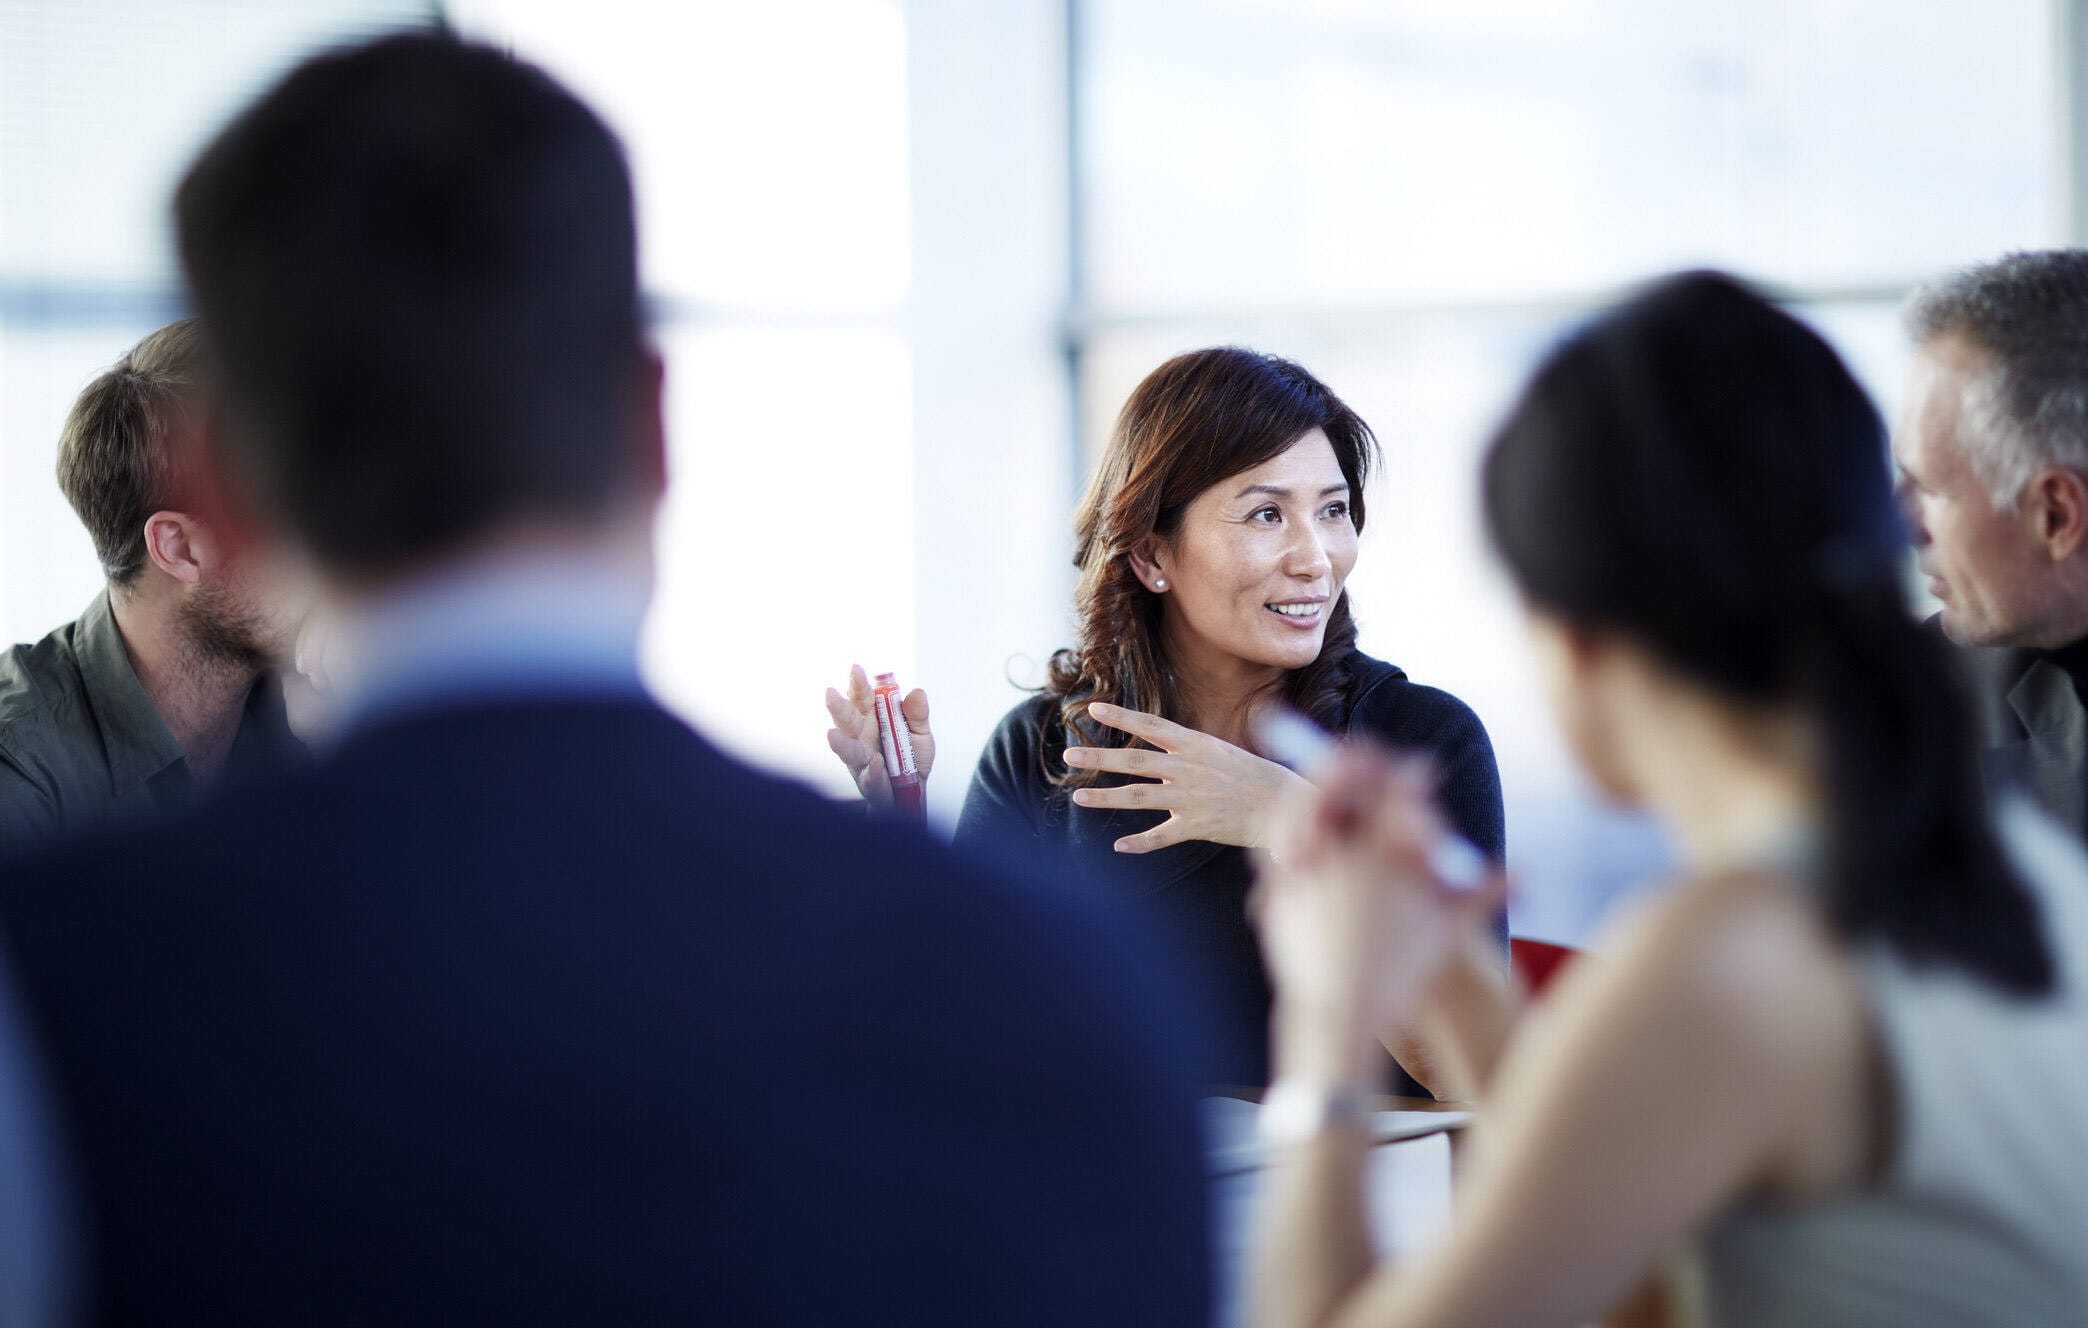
(1275, 491)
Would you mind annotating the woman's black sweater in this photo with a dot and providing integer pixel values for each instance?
(1196, 891)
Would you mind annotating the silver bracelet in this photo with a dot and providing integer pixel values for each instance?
(1294, 1111)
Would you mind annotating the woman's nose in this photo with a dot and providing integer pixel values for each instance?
(1308, 556)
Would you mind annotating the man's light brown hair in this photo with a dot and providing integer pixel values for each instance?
(114, 461)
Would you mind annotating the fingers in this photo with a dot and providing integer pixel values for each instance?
(1490, 898)
(1382, 810)
(1168, 832)
(915, 708)
(874, 784)
(850, 749)
(1132, 797)
(853, 713)
(1361, 802)
(1400, 821)
(1162, 733)
(864, 764)
(1119, 760)
(854, 737)
(314, 644)
(306, 659)
(1353, 784)
(842, 711)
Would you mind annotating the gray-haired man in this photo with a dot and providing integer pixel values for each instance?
(1992, 450)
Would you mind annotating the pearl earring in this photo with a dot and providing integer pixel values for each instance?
(1160, 583)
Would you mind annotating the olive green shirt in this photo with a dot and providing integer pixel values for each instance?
(82, 746)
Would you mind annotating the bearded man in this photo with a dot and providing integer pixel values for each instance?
(167, 683)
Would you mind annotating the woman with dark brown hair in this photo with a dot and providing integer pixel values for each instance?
(1214, 544)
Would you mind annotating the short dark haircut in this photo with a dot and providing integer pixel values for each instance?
(115, 460)
(2029, 313)
(1698, 470)
(415, 261)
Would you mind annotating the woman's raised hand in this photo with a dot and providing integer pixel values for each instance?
(1210, 789)
(1354, 925)
(854, 735)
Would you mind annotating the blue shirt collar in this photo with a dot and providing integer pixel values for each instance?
(523, 627)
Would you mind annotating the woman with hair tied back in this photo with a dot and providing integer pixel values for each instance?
(1846, 1058)
(1215, 542)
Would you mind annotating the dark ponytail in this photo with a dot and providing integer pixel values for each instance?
(1699, 471)
(1912, 857)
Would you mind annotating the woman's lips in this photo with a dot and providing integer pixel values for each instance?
(1304, 617)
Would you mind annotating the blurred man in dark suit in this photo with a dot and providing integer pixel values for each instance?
(36, 1269)
(1992, 449)
(526, 1004)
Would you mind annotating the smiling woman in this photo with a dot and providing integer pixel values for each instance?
(1214, 545)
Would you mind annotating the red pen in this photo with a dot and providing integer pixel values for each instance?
(896, 742)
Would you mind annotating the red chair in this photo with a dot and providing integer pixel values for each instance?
(1538, 962)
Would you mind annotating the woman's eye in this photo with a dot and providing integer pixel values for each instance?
(1338, 511)
(1266, 515)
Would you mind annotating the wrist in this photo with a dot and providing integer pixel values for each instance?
(1284, 785)
(1329, 1049)
(1471, 975)
(1294, 1111)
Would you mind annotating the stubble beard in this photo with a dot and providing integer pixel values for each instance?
(222, 632)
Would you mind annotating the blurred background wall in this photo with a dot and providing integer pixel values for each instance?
(908, 256)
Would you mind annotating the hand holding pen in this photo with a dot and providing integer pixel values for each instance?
(1295, 741)
(877, 756)
(1363, 899)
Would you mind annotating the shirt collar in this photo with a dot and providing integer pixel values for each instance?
(519, 627)
(139, 744)
(265, 740)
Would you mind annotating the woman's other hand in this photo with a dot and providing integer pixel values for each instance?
(309, 701)
(1354, 926)
(1210, 789)
(854, 735)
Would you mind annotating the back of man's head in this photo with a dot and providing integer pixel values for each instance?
(2026, 314)
(417, 264)
(117, 461)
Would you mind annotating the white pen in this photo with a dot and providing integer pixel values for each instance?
(1295, 741)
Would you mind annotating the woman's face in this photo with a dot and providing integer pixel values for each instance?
(1259, 560)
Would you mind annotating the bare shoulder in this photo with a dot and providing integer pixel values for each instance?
(1747, 964)
(1758, 939)
(1688, 1065)
(1735, 980)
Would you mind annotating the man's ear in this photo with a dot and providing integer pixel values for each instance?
(2056, 501)
(649, 424)
(1145, 559)
(176, 544)
(1582, 651)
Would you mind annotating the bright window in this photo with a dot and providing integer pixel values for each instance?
(769, 146)
(1413, 199)
(103, 103)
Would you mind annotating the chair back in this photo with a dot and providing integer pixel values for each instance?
(1538, 962)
